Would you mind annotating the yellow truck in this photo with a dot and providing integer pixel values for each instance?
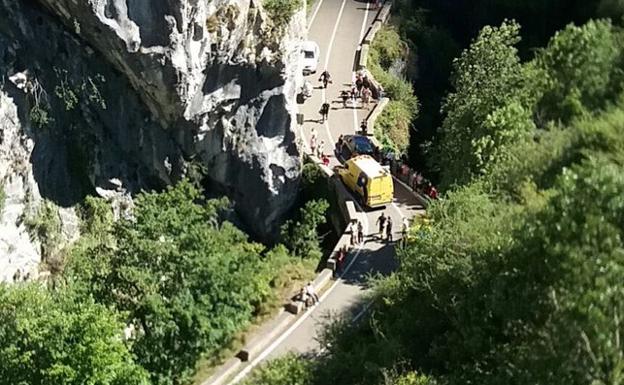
(368, 180)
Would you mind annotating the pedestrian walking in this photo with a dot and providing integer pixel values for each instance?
(381, 221)
(325, 78)
(324, 112)
(389, 230)
(339, 144)
(360, 230)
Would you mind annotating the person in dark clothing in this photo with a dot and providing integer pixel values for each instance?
(360, 231)
(324, 112)
(325, 78)
(389, 230)
(339, 144)
(358, 85)
(381, 221)
(364, 127)
(365, 82)
(344, 94)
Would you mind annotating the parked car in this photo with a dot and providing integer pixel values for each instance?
(368, 180)
(354, 145)
(310, 53)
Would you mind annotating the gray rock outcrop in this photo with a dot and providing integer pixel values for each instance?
(219, 79)
(19, 255)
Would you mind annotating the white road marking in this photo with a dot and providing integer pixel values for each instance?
(314, 14)
(327, 56)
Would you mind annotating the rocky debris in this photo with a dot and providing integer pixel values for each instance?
(219, 78)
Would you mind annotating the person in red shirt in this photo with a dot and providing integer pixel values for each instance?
(433, 192)
(325, 159)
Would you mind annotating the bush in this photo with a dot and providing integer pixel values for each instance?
(392, 127)
(288, 370)
(188, 281)
(55, 338)
(301, 237)
(281, 11)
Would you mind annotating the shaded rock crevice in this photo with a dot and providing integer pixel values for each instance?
(132, 91)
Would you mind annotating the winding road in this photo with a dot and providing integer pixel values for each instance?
(338, 27)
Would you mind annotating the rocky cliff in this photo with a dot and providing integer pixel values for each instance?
(219, 77)
(137, 91)
(95, 93)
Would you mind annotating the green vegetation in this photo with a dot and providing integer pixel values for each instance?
(392, 127)
(185, 282)
(44, 225)
(281, 11)
(56, 338)
(288, 370)
(301, 237)
(39, 116)
(188, 281)
(518, 280)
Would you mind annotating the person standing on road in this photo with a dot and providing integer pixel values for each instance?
(381, 221)
(324, 112)
(320, 149)
(364, 128)
(389, 230)
(366, 95)
(339, 144)
(325, 78)
(313, 143)
(352, 230)
(342, 254)
(360, 230)
(404, 227)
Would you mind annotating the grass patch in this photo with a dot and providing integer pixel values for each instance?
(393, 124)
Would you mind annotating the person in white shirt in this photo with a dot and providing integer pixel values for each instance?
(310, 291)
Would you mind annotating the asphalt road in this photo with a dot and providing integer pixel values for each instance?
(338, 27)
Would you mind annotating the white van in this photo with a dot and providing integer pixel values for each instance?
(310, 53)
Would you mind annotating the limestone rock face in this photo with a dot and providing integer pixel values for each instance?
(219, 79)
(19, 189)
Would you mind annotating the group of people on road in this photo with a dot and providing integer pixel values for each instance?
(360, 88)
(385, 226)
(317, 148)
(356, 229)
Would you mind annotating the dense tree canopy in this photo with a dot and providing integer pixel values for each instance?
(60, 339)
(187, 280)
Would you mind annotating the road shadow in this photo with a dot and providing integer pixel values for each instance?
(405, 197)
